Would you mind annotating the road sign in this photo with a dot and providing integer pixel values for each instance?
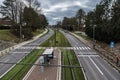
(41, 59)
(42, 62)
(112, 44)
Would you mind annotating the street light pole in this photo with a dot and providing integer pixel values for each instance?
(94, 36)
(20, 33)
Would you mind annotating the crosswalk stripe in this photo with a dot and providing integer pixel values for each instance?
(80, 48)
(89, 48)
(86, 48)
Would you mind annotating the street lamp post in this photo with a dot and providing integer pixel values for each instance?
(78, 22)
(94, 36)
(20, 33)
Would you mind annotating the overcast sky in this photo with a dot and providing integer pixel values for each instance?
(56, 10)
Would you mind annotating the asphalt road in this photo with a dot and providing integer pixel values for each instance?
(20, 53)
(94, 66)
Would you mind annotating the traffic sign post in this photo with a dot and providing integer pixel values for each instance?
(41, 62)
(112, 44)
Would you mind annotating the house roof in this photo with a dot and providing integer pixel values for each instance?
(6, 21)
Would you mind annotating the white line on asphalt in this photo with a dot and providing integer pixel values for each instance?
(88, 56)
(19, 52)
(89, 48)
(86, 48)
(6, 60)
(77, 48)
(80, 48)
(30, 71)
(83, 48)
(96, 66)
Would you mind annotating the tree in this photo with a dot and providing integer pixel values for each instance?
(69, 23)
(115, 20)
(80, 16)
(8, 9)
(102, 21)
(30, 18)
(42, 21)
(90, 22)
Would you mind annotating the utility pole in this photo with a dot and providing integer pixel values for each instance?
(55, 36)
(20, 33)
(94, 36)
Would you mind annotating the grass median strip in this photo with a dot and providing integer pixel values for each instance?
(69, 57)
(19, 71)
(67, 71)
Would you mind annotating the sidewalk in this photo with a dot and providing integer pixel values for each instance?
(45, 73)
(6, 51)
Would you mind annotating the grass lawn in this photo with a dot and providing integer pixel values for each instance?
(83, 36)
(37, 32)
(7, 36)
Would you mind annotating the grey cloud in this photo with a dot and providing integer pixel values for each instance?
(58, 13)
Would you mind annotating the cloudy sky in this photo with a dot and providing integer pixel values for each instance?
(56, 10)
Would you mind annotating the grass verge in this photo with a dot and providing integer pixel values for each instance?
(74, 62)
(6, 35)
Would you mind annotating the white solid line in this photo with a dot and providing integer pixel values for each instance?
(96, 66)
(88, 56)
(30, 71)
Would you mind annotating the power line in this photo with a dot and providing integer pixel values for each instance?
(46, 65)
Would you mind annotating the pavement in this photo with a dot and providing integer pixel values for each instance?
(94, 67)
(20, 51)
(45, 72)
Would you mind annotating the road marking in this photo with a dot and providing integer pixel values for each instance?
(88, 56)
(89, 48)
(6, 60)
(19, 52)
(96, 66)
(86, 48)
(80, 48)
(77, 48)
(30, 71)
(83, 48)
